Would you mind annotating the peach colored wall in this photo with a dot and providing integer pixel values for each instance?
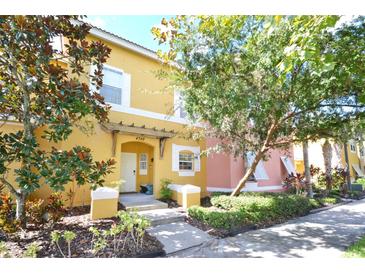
(225, 171)
(237, 169)
(218, 167)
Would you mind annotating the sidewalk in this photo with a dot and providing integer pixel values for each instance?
(324, 234)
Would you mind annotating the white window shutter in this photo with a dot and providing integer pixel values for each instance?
(175, 158)
(288, 164)
(126, 90)
(197, 162)
(260, 172)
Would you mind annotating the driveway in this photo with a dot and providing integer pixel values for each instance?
(323, 234)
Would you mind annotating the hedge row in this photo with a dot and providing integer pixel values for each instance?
(230, 212)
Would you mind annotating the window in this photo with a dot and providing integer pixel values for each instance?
(112, 86)
(260, 172)
(56, 43)
(352, 147)
(288, 165)
(179, 105)
(362, 154)
(143, 164)
(185, 161)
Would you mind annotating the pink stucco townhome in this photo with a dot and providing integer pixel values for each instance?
(224, 171)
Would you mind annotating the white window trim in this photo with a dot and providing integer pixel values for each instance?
(176, 149)
(126, 89)
(143, 171)
(177, 104)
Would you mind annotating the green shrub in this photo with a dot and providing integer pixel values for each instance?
(8, 222)
(218, 193)
(31, 251)
(361, 181)
(216, 218)
(4, 251)
(34, 211)
(329, 200)
(165, 192)
(247, 209)
(55, 207)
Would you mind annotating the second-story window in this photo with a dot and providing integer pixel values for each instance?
(179, 105)
(352, 147)
(112, 86)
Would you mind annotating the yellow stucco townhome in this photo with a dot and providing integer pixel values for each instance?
(144, 131)
(355, 152)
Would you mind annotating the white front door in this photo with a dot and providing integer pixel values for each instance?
(128, 171)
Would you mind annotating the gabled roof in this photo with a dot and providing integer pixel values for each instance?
(120, 41)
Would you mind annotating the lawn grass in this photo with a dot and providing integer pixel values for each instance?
(357, 250)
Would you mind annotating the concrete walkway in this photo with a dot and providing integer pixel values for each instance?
(324, 234)
(140, 202)
(179, 236)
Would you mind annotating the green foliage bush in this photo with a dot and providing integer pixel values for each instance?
(329, 200)
(361, 181)
(34, 211)
(165, 192)
(8, 222)
(55, 208)
(131, 226)
(252, 209)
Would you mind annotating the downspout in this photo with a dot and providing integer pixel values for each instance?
(348, 178)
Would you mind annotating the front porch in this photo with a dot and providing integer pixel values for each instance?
(140, 202)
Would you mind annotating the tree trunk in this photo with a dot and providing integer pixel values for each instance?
(307, 172)
(327, 157)
(348, 178)
(241, 184)
(20, 197)
(20, 207)
(258, 157)
(26, 162)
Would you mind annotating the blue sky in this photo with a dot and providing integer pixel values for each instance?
(136, 28)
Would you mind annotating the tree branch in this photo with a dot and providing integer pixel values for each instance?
(9, 186)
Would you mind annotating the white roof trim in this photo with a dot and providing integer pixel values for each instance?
(123, 43)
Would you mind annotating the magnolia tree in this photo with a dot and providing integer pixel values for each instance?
(264, 82)
(41, 86)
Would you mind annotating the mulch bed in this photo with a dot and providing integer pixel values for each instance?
(78, 221)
